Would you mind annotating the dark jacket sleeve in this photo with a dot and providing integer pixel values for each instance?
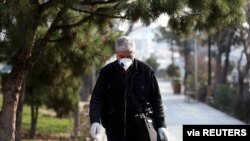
(96, 100)
(156, 102)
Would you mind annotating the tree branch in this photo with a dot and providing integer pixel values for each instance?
(91, 2)
(245, 49)
(83, 20)
(239, 61)
(47, 5)
(130, 29)
(54, 24)
(58, 39)
(42, 44)
(100, 14)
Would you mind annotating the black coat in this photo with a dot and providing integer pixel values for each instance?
(111, 104)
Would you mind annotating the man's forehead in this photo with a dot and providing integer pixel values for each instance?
(125, 52)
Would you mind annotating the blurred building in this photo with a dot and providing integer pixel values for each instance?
(143, 50)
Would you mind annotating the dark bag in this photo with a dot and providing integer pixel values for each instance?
(145, 129)
(143, 122)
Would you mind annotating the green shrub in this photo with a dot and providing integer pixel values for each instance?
(173, 71)
(224, 98)
(242, 110)
(152, 61)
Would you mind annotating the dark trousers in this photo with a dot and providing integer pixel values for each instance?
(128, 138)
(131, 134)
(136, 130)
(118, 134)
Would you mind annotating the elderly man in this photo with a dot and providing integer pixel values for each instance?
(122, 85)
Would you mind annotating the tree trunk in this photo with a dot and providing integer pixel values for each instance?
(34, 116)
(242, 75)
(209, 61)
(241, 84)
(12, 88)
(226, 66)
(186, 52)
(19, 114)
(12, 91)
(224, 42)
(218, 68)
(76, 120)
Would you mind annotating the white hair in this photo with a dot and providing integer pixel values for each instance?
(125, 43)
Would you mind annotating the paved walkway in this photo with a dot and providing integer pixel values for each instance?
(179, 112)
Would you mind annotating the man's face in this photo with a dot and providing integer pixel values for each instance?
(124, 54)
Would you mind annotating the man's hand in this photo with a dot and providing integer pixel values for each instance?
(163, 134)
(95, 129)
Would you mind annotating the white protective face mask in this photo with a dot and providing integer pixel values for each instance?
(125, 63)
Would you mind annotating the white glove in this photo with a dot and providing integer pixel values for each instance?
(95, 129)
(163, 133)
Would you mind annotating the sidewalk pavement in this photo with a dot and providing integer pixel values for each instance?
(180, 112)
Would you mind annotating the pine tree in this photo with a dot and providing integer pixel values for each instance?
(22, 22)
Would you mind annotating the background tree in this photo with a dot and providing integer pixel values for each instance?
(184, 43)
(243, 69)
(153, 62)
(242, 100)
(224, 39)
(56, 78)
(209, 16)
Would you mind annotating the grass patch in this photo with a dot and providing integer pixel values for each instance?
(46, 123)
(48, 127)
(1, 100)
